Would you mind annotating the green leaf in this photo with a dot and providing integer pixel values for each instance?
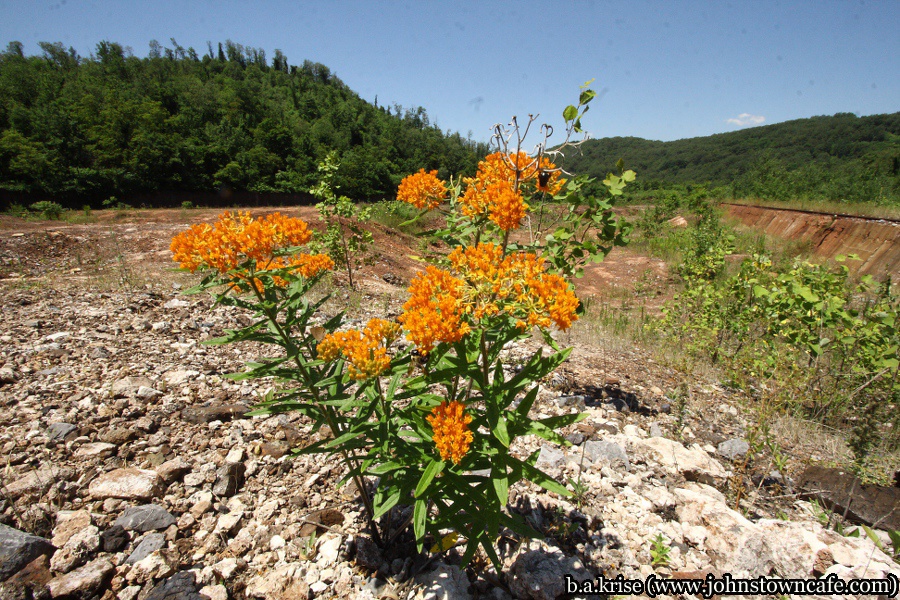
(420, 512)
(389, 503)
(434, 467)
(542, 479)
(586, 96)
(501, 484)
(570, 113)
(500, 432)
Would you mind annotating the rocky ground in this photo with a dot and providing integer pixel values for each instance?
(131, 471)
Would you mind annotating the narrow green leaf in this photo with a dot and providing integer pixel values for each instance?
(420, 512)
(501, 486)
(389, 503)
(431, 471)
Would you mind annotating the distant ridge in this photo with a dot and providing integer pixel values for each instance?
(842, 157)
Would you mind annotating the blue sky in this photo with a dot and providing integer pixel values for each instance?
(664, 70)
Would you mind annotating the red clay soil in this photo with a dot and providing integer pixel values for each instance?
(139, 239)
(875, 241)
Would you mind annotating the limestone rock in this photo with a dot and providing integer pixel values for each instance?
(608, 452)
(540, 575)
(445, 582)
(127, 484)
(68, 523)
(733, 449)
(282, 583)
(129, 386)
(76, 550)
(695, 465)
(82, 581)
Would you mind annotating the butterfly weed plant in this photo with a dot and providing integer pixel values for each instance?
(431, 421)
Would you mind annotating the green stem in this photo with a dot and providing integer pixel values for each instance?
(271, 314)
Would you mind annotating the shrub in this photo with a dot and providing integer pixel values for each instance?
(48, 209)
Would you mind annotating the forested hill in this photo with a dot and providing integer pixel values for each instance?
(843, 157)
(84, 129)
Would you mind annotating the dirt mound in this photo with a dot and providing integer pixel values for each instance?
(875, 241)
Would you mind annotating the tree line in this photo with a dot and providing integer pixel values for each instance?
(839, 158)
(113, 124)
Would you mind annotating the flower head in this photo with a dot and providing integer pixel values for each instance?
(422, 190)
(365, 351)
(433, 312)
(236, 238)
(516, 285)
(452, 437)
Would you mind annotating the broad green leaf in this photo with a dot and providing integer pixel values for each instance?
(570, 113)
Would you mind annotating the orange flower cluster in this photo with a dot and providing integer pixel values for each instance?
(237, 237)
(433, 312)
(452, 437)
(516, 284)
(422, 190)
(488, 284)
(502, 204)
(365, 351)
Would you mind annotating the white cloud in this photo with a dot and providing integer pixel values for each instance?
(745, 119)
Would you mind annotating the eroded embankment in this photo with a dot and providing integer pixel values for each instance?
(875, 241)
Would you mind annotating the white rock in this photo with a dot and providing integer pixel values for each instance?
(127, 484)
(329, 548)
(215, 592)
(695, 465)
(228, 523)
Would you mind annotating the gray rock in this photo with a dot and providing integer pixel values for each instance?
(446, 582)
(208, 414)
(609, 452)
(150, 544)
(576, 401)
(127, 484)
(550, 457)
(229, 479)
(180, 586)
(18, 548)
(58, 431)
(82, 581)
(114, 539)
(576, 438)
(733, 449)
(368, 554)
(655, 430)
(148, 517)
(540, 575)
